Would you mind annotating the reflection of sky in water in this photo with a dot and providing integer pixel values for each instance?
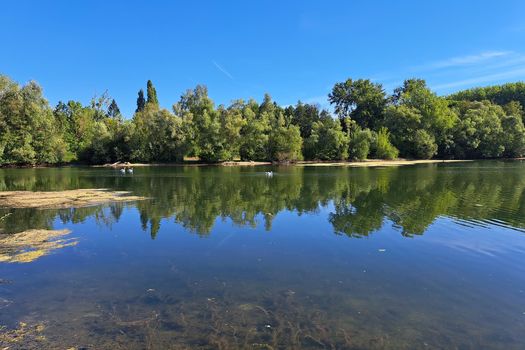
(481, 238)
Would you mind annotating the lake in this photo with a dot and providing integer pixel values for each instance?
(429, 257)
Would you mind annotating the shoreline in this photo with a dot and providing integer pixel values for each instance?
(311, 163)
(381, 162)
(364, 163)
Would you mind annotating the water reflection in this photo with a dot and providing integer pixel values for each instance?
(359, 202)
(298, 287)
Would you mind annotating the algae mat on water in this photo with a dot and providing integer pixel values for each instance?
(63, 199)
(30, 245)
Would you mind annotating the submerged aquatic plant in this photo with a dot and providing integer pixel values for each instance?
(25, 335)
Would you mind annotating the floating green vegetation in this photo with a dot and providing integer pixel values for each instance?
(63, 199)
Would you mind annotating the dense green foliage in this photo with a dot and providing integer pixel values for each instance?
(413, 122)
(327, 141)
(28, 131)
(360, 100)
(498, 94)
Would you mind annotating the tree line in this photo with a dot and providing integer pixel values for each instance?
(413, 122)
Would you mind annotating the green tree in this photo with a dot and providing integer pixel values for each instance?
(152, 100)
(304, 116)
(285, 142)
(114, 111)
(479, 133)
(204, 122)
(408, 132)
(327, 140)
(99, 151)
(498, 94)
(361, 100)
(91, 132)
(424, 145)
(158, 137)
(141, 101)
(232, 122)
(64, 115)
(268, 106)
(514, 139)
(360, 143)
(254, 133)
(29, 133)
(514, 108)
(383, 149)
(99, 106)
(435, 116)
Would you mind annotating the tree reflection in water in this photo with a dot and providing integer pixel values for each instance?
(360, 200)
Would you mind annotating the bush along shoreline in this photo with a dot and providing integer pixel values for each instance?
(413, 123)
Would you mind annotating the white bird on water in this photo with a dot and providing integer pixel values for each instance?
(130, 170)
(269, 173)
(122, 171)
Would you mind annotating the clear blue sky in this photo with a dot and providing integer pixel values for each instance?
(240, 49)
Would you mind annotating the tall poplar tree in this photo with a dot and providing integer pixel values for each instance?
(152, 95)
(141, 102)
(113, 110)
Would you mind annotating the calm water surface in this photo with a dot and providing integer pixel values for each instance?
(422, 257)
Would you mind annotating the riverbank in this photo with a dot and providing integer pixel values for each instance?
(364, 163)
(381, 162)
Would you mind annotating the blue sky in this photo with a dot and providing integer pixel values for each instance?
(241, 49)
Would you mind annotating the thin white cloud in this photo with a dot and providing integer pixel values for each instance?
(224, 71)
(471, 59)
(461, 61)
(463, 71)
(495, 67)
(514, 74)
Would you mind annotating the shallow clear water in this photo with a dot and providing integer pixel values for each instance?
(429, 256)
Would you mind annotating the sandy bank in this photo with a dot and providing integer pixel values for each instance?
(364, 163)
(380, 162)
